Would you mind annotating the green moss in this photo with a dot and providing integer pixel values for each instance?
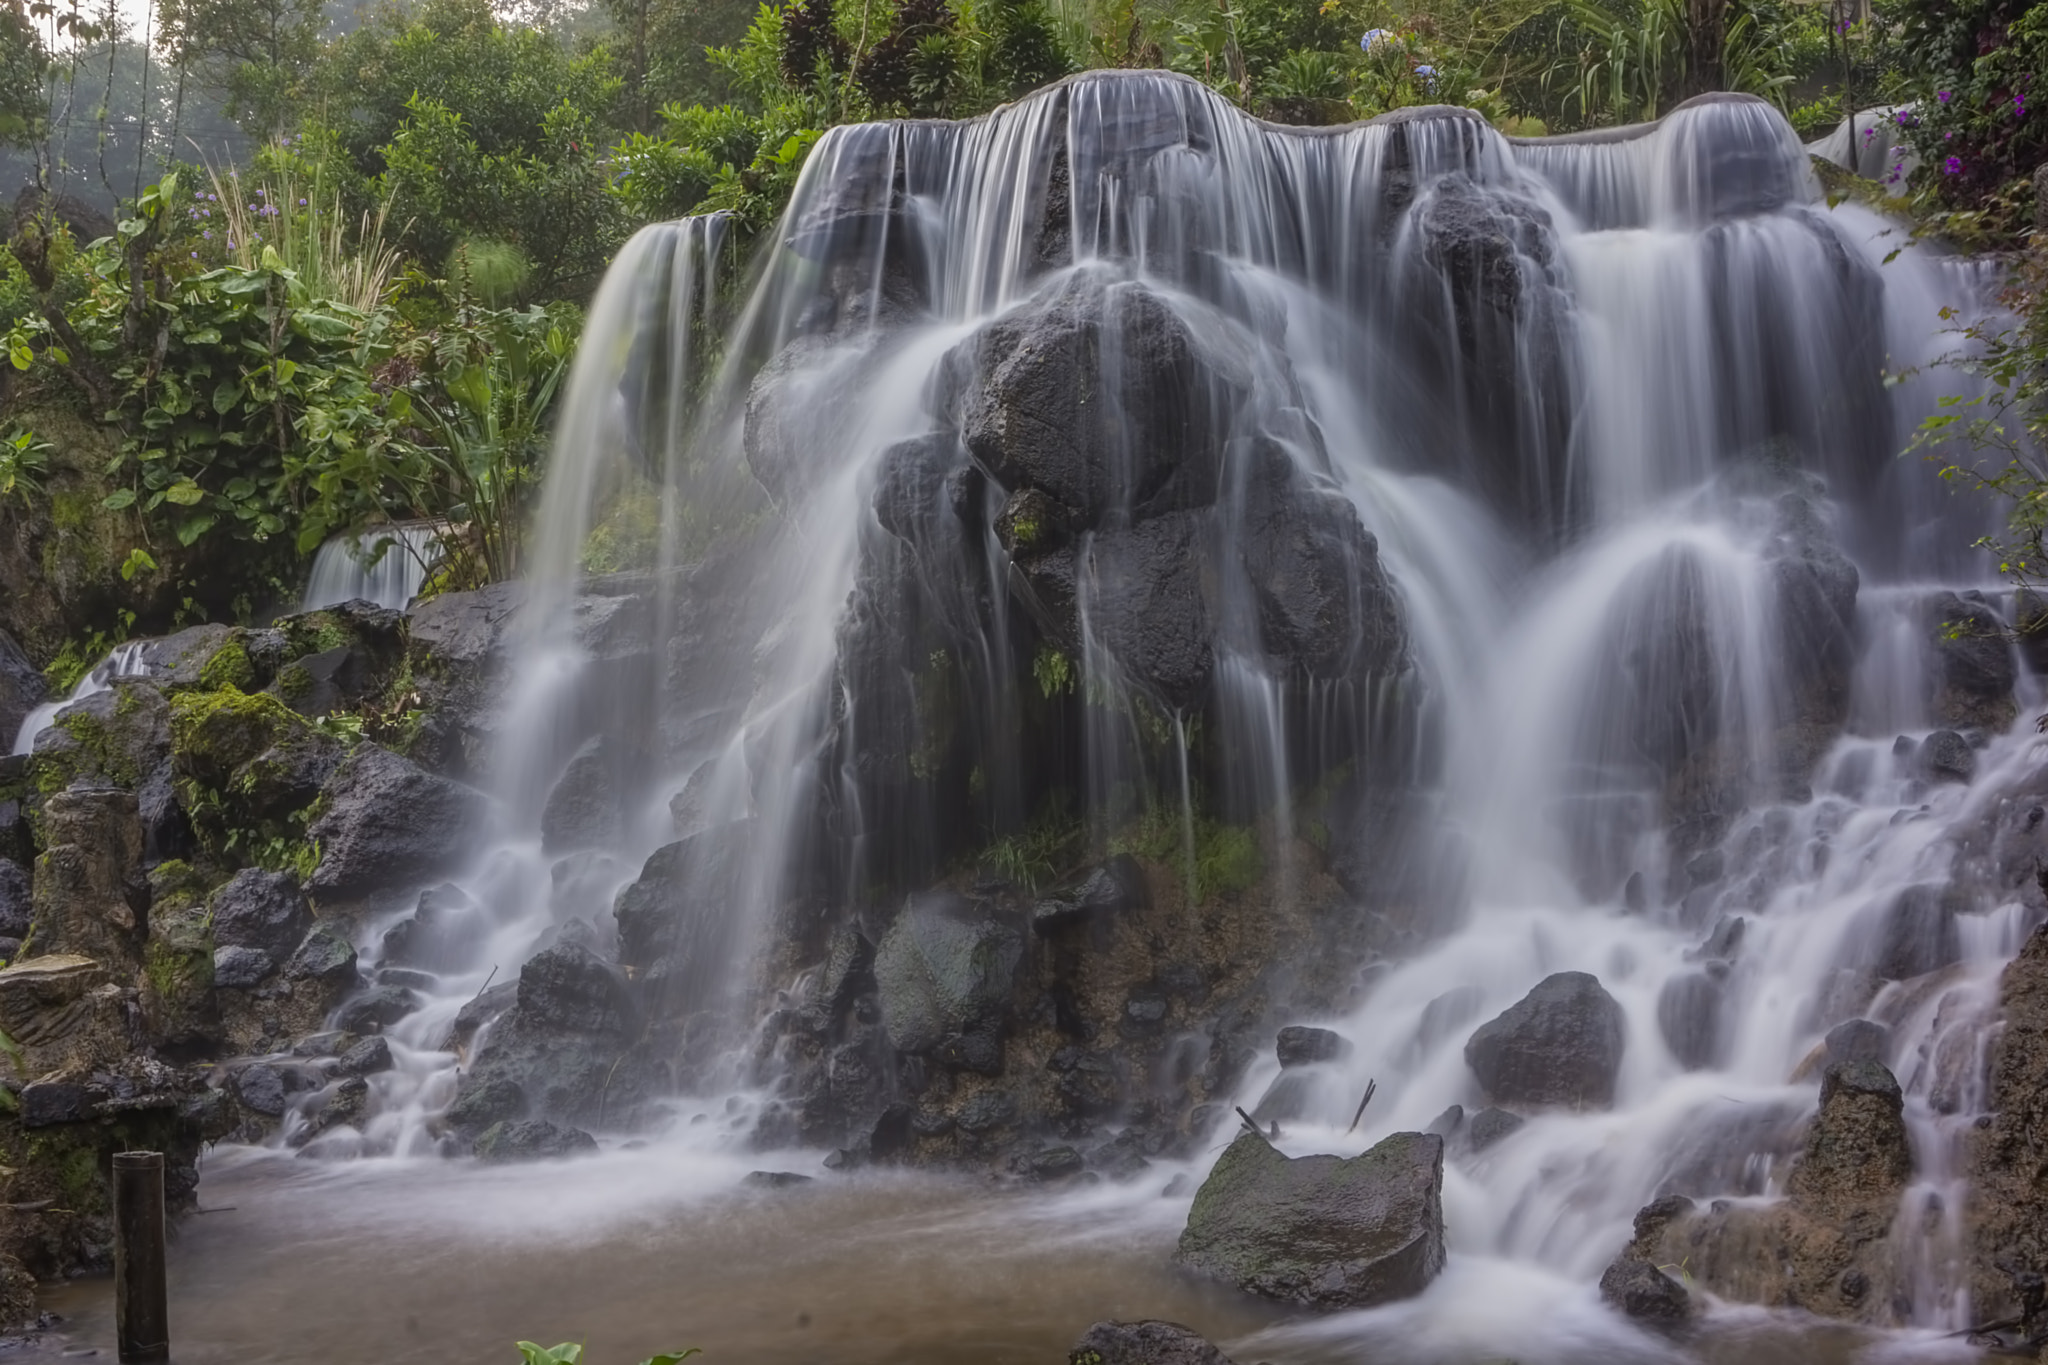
(294, 681)
(1227, 860)
(97, 748)
(315, 632)
(230, 667)
(72, 509)
(214, 733)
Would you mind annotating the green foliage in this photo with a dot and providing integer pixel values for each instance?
(23, 62)
(24, 457)
(1977, 69)
(571, 1353)
(1053, 670)
(257, 53)
(1035, 857)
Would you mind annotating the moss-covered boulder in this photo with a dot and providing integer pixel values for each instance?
(248, 767)
(89, 897)
(387, 825)
(119, 738)
(1322, 1231)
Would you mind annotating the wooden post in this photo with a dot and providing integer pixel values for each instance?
(142, 1319)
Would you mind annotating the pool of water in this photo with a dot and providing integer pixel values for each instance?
(655, 1248)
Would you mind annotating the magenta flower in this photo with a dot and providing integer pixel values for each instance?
(1942, 95)
(1952, 166)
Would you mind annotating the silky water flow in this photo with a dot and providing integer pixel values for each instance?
(1618, 608)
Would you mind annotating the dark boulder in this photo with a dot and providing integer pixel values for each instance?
(264, 911)
(325, 956)
(943, 973)
(1152, 609)
(2008, 1201)
(366, 1058)
(442, 934)
(376, 1009)
(532, 1140)
(680, 898)
(1645, 1293)
(1489, 1126)
(389, 823)
(1300, 1045)
(562, 1052)
(115, 738)
(90, 896)
(1143, 1343)
(1118, 884)
(1946, 756)
(1689, 1016)
(241, 969)
(1099, 394)
(1858, 1040)
(583, 809)
(1973, 666)
(1322, 1231)
(1560, 1045)
(1857, 1150)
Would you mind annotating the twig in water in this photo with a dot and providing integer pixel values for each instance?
(1252, 1125)
(1370, 1086)
(487, 983)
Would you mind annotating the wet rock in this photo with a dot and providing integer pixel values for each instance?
(1300, 1045)
(241, 969)
(376, 1009)
(1829, 1239)
(1560, 1045)
(90, 897)
(1973, 663)
(986, 1112)
(365, 1058)
(389, 823)
(1321, 1231)
(115, 738)
(1446, 1014)
(21, 687)
(1946, 756)
(1858, 1040)
(1645, 1293)
(1152, 609)
(1489, 1126)
(345, 1104)
(532, 1140)
(326, 957)
(1045, 409)
(1143, 1343)
(483, 1009)
(263, 911)
(776, 1180)
(563, 1052)
(17, 910)
(43, 1103)
(1447, 1124)
(679, 897)
(1917, 934)
(943, 974)
(1054, 1163)
(1118, 884)
(911, 496)
(45, 1003)
(261, 1089)
(583, 809)
(1689, 1016)
(2008, 1200)
(441, 934)
(480, 1104)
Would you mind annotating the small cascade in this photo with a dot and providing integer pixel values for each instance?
(385, 566)
(128, 660)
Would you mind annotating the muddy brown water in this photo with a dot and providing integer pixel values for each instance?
(638, 1252)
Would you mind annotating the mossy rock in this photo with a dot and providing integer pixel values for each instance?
(247, 765)
(116, 738)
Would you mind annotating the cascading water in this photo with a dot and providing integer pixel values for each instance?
(1517, 527)
(385, 566)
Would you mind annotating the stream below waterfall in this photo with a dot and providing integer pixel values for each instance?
(635, 1252)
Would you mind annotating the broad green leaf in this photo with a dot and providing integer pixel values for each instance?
(227, 396)
(192, 528)
(138, 561)
(673, 1357)
(568, 1353)
(118, 499)
(185, 493)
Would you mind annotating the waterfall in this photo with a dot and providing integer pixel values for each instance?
(385, 566)
(1520, 522)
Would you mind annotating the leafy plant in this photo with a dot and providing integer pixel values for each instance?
(24, 457)
(571, 1353)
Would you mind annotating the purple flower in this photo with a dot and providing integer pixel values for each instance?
(302, 203)
(2019, 106)
(1942, 95)
(208, 234)
(231, 244)
(262, 194)
(1952, 166)
(210, 199)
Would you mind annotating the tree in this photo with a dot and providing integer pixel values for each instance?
(23, 64)
(255, 53)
